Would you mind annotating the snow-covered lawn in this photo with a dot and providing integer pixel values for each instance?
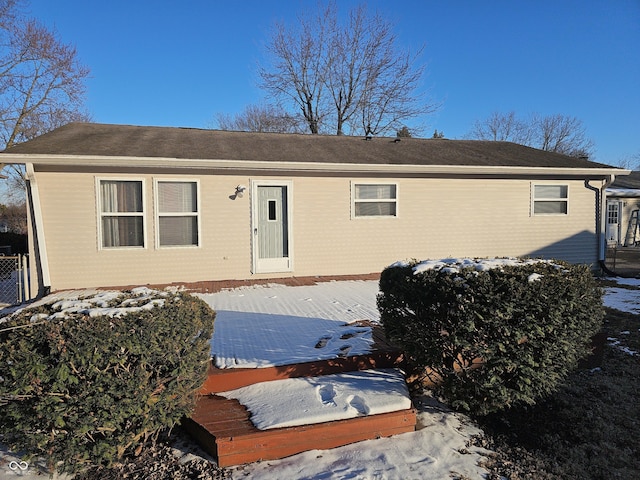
(625, 300)
(437, 450)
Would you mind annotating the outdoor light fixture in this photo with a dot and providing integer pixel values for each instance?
(239, 193)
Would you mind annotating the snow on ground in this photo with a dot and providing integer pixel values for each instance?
(437, 450)
(631, 282)
(623, 299)
(305, 401)
(626, 300)
(438, 447)
(303, 315)
(278, 325)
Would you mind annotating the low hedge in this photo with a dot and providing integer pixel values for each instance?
(492, 333)
(85, 381)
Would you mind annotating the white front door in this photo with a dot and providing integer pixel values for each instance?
(271, 207)
(613, 221)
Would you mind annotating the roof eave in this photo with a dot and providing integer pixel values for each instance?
(301, 167)
(623, 192)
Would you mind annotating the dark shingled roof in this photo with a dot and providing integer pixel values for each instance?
(631, 181)
(188, 143)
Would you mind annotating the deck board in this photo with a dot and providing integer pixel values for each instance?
(238, 441)
(382, 355)
(224, 429)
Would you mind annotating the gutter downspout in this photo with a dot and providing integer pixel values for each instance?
(38, 230)
(601, 198)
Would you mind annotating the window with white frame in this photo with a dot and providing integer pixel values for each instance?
(375, 199)
(177, 213)
(121, 213)
(550, 199)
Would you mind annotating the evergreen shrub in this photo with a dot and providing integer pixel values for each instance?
(84, 381)
(491, 334)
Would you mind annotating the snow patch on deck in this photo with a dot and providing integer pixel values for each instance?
(305, 401)
(258, 327)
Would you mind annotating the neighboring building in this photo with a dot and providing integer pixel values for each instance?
(117, 205)
(623, 211)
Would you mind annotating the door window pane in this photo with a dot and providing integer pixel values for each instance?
(273, 216)
(612, 213)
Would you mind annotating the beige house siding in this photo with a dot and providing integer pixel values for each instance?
(437, 217)
(70, 212)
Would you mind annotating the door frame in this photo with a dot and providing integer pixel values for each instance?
(618, 226)
(286, 263)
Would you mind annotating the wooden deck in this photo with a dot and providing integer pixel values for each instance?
(224, 429)
(383, 355)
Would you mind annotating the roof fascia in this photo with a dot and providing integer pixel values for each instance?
(273, 166)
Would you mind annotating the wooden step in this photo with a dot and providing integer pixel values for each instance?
(225, 379)
(223, 428)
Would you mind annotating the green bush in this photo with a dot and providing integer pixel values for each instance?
(492, 334)
(84, 381)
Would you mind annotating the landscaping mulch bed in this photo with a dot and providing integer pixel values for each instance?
(174, 457)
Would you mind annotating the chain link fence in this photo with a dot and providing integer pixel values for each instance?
(13, 280)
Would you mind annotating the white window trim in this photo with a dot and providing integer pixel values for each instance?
(100, 213)
(377, 200)
(157, 215)
(534, 199)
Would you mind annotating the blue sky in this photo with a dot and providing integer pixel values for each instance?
(169, 63)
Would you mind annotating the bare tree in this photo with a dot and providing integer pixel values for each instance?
(298, 65)
(41, 81)
(14, 217)
(553, 133)
(260, 118)
(629, 162)
(345, 76)
(502, 127)
(561, 134)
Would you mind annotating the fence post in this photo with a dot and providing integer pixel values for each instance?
(19, 278)
(26, 287)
